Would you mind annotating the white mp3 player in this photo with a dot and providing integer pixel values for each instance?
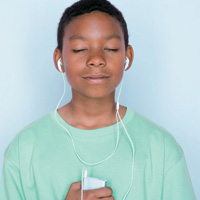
(90, 183)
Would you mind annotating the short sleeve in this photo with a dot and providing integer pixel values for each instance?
(177, 183)
(11, 187)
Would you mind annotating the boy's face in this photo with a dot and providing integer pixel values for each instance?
(93, 54)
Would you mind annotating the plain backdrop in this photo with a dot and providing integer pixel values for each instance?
(163, 83)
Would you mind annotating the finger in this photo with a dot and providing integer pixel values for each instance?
(108, 198)
(76, 185)
(103, 192)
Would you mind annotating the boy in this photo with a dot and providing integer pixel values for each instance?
(46, 159)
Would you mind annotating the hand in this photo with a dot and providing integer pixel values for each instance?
(74, 193)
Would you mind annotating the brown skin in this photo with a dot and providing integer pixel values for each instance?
(99, 39)
(74, 193)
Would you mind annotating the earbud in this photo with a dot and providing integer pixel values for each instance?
(126, 63)
(59, 65)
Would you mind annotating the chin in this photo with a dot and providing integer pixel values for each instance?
(94, 93)
(99, 95)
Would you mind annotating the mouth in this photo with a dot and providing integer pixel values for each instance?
(96, 78)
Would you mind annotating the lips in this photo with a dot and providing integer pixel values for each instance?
(96, 78)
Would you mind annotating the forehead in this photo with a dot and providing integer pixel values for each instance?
(94, 23)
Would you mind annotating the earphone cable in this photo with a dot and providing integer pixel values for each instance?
(133, 149)
(133, 158)
(117, 115)
(84, 162)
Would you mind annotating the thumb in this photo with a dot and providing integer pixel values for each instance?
(76, 185)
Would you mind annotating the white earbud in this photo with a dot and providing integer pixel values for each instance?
(59, 65)
(126, 63)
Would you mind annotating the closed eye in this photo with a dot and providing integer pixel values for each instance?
(78, 50)
(115, 50)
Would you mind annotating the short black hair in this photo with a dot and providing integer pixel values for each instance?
(86, 6)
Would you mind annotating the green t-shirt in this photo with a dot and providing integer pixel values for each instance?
(40, 162)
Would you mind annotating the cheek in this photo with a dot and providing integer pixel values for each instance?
(73, 74)
(117, 76)
(70, 75)
(120, 76)
(118, 72)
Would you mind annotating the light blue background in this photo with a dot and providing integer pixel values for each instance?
(163, 83)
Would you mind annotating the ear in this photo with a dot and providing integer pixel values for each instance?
(130, 55)
(56, 56)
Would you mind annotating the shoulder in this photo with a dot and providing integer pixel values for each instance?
(30, 135)
(145, 127)
(151, 138)
(37, 128)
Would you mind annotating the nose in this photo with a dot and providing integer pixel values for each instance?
(96, 60)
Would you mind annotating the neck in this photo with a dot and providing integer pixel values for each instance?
(90, 113)
(93, 107)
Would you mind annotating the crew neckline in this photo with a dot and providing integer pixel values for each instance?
(91, 133)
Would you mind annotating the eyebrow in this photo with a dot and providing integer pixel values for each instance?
(79, 37)
(114, 36)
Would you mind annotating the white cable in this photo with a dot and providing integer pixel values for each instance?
(63, 92)
(84, 162)
(117, 105)
(83, 175)
(133, 151)
(73, 140)
(93, 164)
